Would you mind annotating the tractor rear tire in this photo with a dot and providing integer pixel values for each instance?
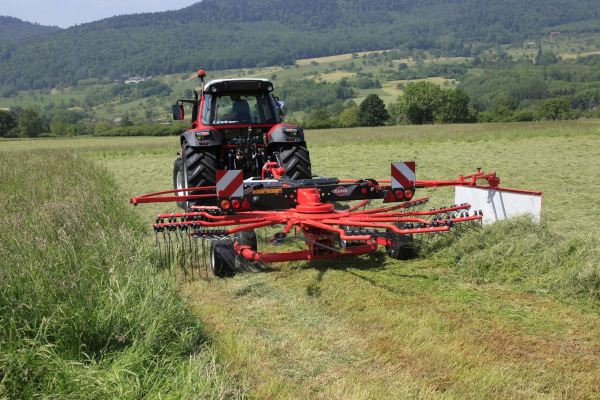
(197, 167)
(222, 258)
(178, 181)
(296, 161)
(403, 247)
(201, 165)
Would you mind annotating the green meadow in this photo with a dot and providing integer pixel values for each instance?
(507, 311)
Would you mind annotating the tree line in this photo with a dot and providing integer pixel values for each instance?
(229, 34)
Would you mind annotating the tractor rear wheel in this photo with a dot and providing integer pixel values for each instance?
(402, 247)
(296, 160)
(179, 181)
(222, 258)
(197, 167)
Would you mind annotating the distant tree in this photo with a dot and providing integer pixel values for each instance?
(125, 120)
(545, 57)
(454, 107)
(553, 109)
(318, 118)
(7, 123)
(372, 111)
(348, 117)
(364, 83)
(419, 102)
(29, 123)
(273, 77)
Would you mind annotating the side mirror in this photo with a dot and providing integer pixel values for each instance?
(178, 113)
(279, 105)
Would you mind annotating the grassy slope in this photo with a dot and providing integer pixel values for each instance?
(83, 312)
(514, 317)
(566, 45)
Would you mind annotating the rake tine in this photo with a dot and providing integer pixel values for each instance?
(182, 253)
(170, 247)
(166, 252)
(204, 256)
(158, 244)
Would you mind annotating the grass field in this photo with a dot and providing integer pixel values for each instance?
(509, 311)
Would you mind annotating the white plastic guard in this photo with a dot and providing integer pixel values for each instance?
(498, 204)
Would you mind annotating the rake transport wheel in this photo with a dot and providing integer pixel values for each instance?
(245, 238)
(222, 257)
(197, 167)
(295, 160)
(345, 243)
(403, 247)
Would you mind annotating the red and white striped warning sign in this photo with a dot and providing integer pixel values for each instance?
(230, 183)
(403, 175)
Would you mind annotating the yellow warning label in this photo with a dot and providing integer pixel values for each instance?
(267, 191)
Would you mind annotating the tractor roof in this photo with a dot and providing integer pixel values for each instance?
(238, 85)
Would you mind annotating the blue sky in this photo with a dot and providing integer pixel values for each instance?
(65, 13)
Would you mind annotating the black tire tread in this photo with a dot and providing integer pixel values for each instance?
(201, 165)
(245, 238)
(178, 167)
(224, 257)
(296, 161)
(403, 247)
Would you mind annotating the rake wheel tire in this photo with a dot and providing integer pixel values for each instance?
(345, 243)
(222, 258)
(403, 247)
(245, 238)
(296, 161)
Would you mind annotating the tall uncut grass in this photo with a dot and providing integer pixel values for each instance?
(83, 313)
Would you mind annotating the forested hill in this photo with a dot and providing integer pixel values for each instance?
(14, 29)
(219, 34)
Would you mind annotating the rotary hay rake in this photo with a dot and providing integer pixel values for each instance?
(225, 218)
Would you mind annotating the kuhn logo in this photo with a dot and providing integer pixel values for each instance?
(341, 191)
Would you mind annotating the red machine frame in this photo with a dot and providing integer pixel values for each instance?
(307, 206)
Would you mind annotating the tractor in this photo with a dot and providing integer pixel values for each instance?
(241, 169)
(236, 125)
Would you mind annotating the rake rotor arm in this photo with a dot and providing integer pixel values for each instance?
(468, 180)
(308, 207)
(157, 197)
(248, 253)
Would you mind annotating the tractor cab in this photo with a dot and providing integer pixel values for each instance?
(236, 125)
(238, 101)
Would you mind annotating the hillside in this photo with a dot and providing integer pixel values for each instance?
(224, 34)
(13, 29)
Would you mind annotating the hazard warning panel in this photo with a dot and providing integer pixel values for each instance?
(403, 175)
(230, 183)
